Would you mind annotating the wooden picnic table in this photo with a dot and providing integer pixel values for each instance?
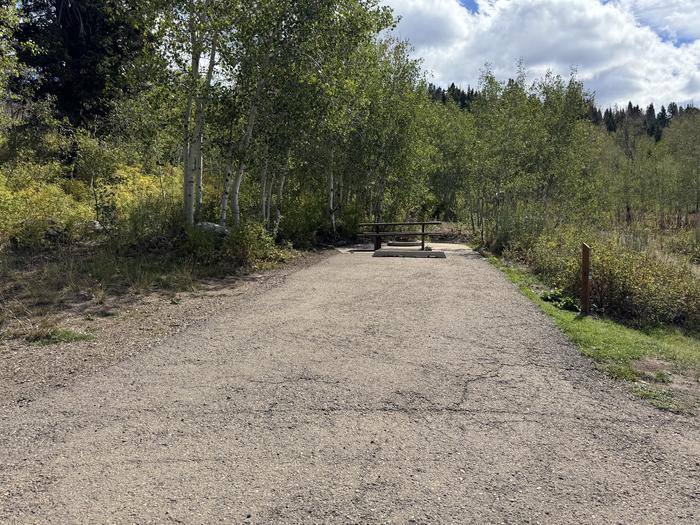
(378, 234)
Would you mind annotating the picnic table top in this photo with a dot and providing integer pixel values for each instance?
(395, 234)
(412, 223)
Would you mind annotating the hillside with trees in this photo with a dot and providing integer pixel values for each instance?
(207, 134)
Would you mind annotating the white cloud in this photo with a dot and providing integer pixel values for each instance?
(678, 20)
(421, 18)
(617, 55)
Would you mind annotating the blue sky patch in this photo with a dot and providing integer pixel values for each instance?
(678, 41)
(472, 5)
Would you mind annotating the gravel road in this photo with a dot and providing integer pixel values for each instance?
(358, 390)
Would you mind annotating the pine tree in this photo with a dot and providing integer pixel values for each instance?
(85, 50)
(662, 118)
(593, 114)
(609, 120)
(650, 121)
(463, 100)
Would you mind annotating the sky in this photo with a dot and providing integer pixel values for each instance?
(646, 51)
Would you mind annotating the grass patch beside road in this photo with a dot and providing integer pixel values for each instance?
(38, 290)
(53, 335)
(664, 363)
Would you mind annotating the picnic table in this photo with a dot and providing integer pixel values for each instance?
(378, 232)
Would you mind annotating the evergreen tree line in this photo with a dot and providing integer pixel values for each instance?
(653, 123)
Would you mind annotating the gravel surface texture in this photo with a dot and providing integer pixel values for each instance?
(357, 390)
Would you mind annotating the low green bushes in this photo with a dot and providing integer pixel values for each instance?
(251, 244)
(687, 243)
(637, 286)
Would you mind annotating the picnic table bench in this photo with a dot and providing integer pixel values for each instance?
(378, 234)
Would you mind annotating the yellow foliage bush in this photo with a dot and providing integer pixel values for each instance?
(35, 198)
(27, 212)
(130, 187)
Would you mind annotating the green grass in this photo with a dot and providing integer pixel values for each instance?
(617, 348)
(659, 397)
(52, 336)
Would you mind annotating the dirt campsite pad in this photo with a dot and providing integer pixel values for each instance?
(357, 390)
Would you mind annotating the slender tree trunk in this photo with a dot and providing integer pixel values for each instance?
(228, 177)
(235, 200)
(331, 196)
(263, 191)
(268, 207)
(340, 192)
(472, 207)
(243, 150)
(198, 134)
(187, 145)
(196, 155)
(188, 181)
(198, 181)
(278, 208)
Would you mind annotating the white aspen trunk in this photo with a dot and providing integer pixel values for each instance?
(242, 150)
(196, 153)
(339, 191)
(263, 191)
(331, 196)
(187, 172)
(235, 202)
(331, 191)
(278, 207)
(227, 184)
(198, 135)
(270, 186)
(187, 146)
(199, 178)
(187, 183)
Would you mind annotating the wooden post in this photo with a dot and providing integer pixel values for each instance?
(377, 239)
(585, 279)
(422, 237)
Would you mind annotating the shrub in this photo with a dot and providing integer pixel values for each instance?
(687, 243)
(301, 219)
(641, 287)
(145, 209)
(202, 244)
(44, 202)
(31, 209)
(250, 244)
(554, 258)
(632, 285)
